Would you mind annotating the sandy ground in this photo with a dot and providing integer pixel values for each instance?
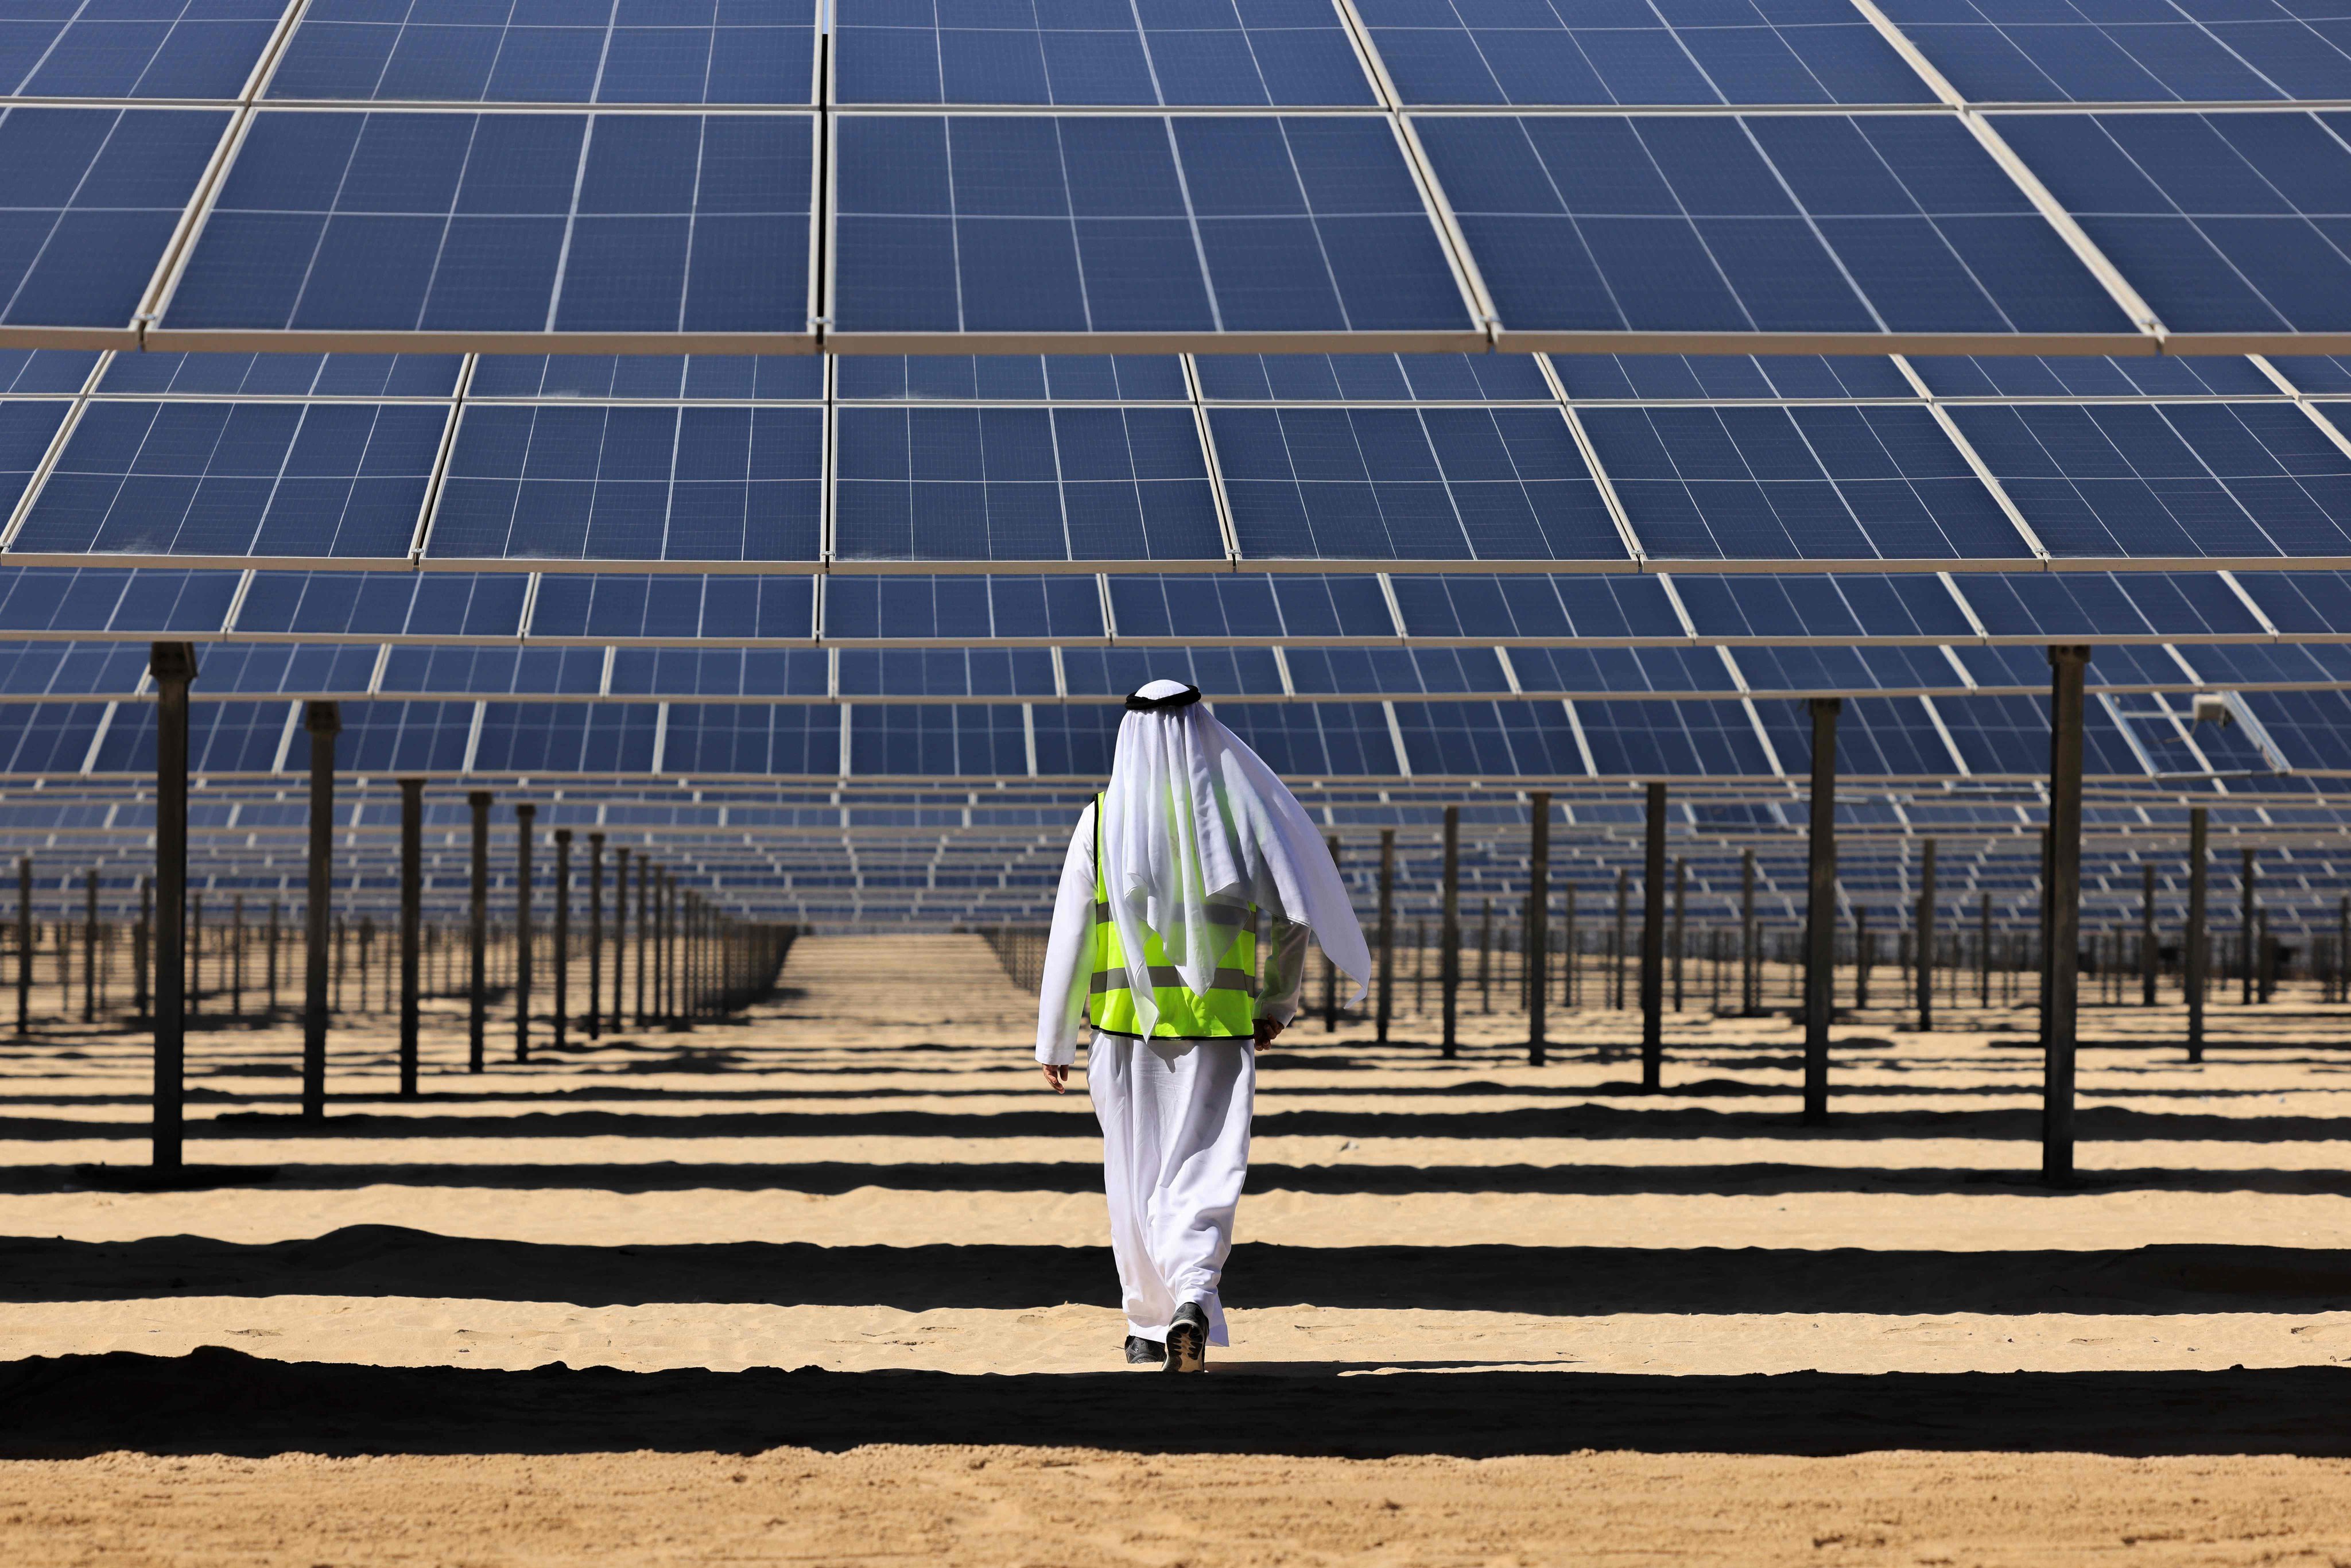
(839, 1254)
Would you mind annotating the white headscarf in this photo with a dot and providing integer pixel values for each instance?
(1193, 814)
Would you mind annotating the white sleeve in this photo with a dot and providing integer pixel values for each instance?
(1069, 953)
(1285, 973)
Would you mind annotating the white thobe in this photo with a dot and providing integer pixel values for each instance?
(1174, 1113)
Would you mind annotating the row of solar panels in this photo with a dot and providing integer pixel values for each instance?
(39, 672)
(1277, 53)
(1976, 736)
(1940, 230)
(1073, 612)
(860, 488)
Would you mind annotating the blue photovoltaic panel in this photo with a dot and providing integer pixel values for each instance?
(1394, 671)
(490, 51)
(31, 372)
(2313, 729)
(133, 48)
(2005, 376)
(71, 669)
(567, 737)
(1106, 224)
(403, 737)
(632, 608)
(2243, 664)
(378, 604)
(329, 480)
(2223, 223)
(1716, 224)
(285, 669)
(26, 428)
(1813, 483)
(223, 738)
(1517, 609)
(739, 378)
(1409, 484)
(2009, 735)
(1173, 53)
(415, 670)
(1796, 609)
(714, 672)
(1074, 739)
(1835, 671)
(1498, 739)
(282, 375)
(1730, 378)
(934, 741)
(50, 737)
(1011, 378)
(1023, 483)
(959, 609)
(2314, 372)
(1246, 607)
(2302, 604)
(788, 739)
(1311, 740)
(108, 601)
(2100, 607)
(1217, 671)
(1372, 378)
(1678, 739)
(633, 483)
(1539, 52)
(92, 196)
(947, 673)
(2082, 51)
(1622, 671)
(1882, 737)
(539, 224)
(2211, 480)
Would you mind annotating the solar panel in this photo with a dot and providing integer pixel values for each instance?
(26, 428)
(2226, 224)
(959, 609)
(2095, 607)
(32, 372)
(401, 605)
(283, 375)
(2311, 729)
(1074, 739)
(717, 673)
(1882, 738)
(421, 230)
(1372, 378)
(666, 378)
(38, 670)
(1011, 378)
(134, 50)
(1311, 740)
(1106, 485)
(997, 232)
(292, 481)
(566, 737)
(286, 669)
(1590, 228)
(110, 601)
(2254, 664)
(933, 740)
(605, 607)
(1497, 739)
(698, 52)
(2009, 736)
(587, 483)
(1798, 483)
(1730, 378)
(1502, 610)
(970, 674)
(1831, 672)
(1619, 52)
(2214, 481)
(468, 672)
(50, 738)
(1268, 53)
(1394, 671)
(1804, 609)
(94, 196)
(776, 740)
(2085, 52)
(223, 738)
(1426, 484)
(2301, 603)
(393, 737)
(2024, 376)
(1217, 671)
(1680, 739)
(1244, 607)
(1620, 671)
(2321, 373)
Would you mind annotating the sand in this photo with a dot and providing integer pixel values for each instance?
(788, 1288)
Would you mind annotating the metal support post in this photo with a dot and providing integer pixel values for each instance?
(324, 721)
(1751, 976)
(561, 937)
(525, 818)
(23, 946)
(2245, 930)
(89, 947)
(173, 667)
(621, 939)
(2149, 954)
(1536, 955)
(2067, 664)
(1681, 927)
(1652, 944)
(478, 936)
(143, 940)
(1983, 950)
(1924, 947)
(644, 934)
(1330, 971)
(1449, 964)
(1386, 1004)
(411, 927)
(1820, 910)
(1861, 956)
(595, 935)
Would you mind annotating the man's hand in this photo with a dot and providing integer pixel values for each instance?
(1057, 1077)
(1267, 1030)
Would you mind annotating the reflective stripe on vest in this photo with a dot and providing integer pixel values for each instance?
(1226, 1009)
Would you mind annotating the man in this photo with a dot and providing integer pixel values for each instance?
(1154, 936)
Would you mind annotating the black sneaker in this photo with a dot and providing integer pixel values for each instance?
(1188, 1340)
(1141, 1352)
